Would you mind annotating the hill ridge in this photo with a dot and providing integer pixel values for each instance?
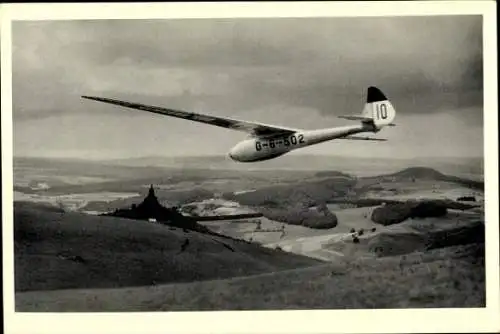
(56, 250)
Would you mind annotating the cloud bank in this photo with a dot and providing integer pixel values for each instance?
(294, 72)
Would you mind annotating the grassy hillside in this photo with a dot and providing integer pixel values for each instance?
(422, 173)
(55, 250)
(449, 277)
(411, 238)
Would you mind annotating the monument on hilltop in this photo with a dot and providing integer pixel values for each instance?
(150, 209)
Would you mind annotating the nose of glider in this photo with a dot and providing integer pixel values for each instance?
(236, 153)
(233, 154)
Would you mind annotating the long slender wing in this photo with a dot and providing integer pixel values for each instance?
(257, 129)
(362, 138)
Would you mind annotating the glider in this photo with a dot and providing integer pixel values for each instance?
(269, 141)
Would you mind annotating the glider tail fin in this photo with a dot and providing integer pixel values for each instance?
(378, 110)
(377, 113)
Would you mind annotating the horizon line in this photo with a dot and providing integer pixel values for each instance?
(223, 156)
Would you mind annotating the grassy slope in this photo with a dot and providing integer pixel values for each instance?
(449, 277)
(120, 252)
(407, 238)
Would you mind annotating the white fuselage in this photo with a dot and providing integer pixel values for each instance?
(265, 148)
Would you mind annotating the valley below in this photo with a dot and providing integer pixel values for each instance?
(409, 236)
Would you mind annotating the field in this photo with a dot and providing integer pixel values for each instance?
(317, 244)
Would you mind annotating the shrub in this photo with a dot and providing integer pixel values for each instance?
(391, 213)
(467, 199)
(394, 213)
(320, 222)
(355, 240)
(428, 209)
(302, 216)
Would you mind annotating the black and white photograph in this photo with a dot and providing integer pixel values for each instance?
(250, 163)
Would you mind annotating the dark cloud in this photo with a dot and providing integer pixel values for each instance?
(424, 63)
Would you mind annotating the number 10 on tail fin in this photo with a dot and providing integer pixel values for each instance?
(378, 108)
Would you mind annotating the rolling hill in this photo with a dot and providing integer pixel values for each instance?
(56, 250)
(424, 173)
(449, 277)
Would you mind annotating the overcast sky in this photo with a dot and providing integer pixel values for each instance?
(292, 72)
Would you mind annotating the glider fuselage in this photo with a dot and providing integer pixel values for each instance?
(265, 148)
